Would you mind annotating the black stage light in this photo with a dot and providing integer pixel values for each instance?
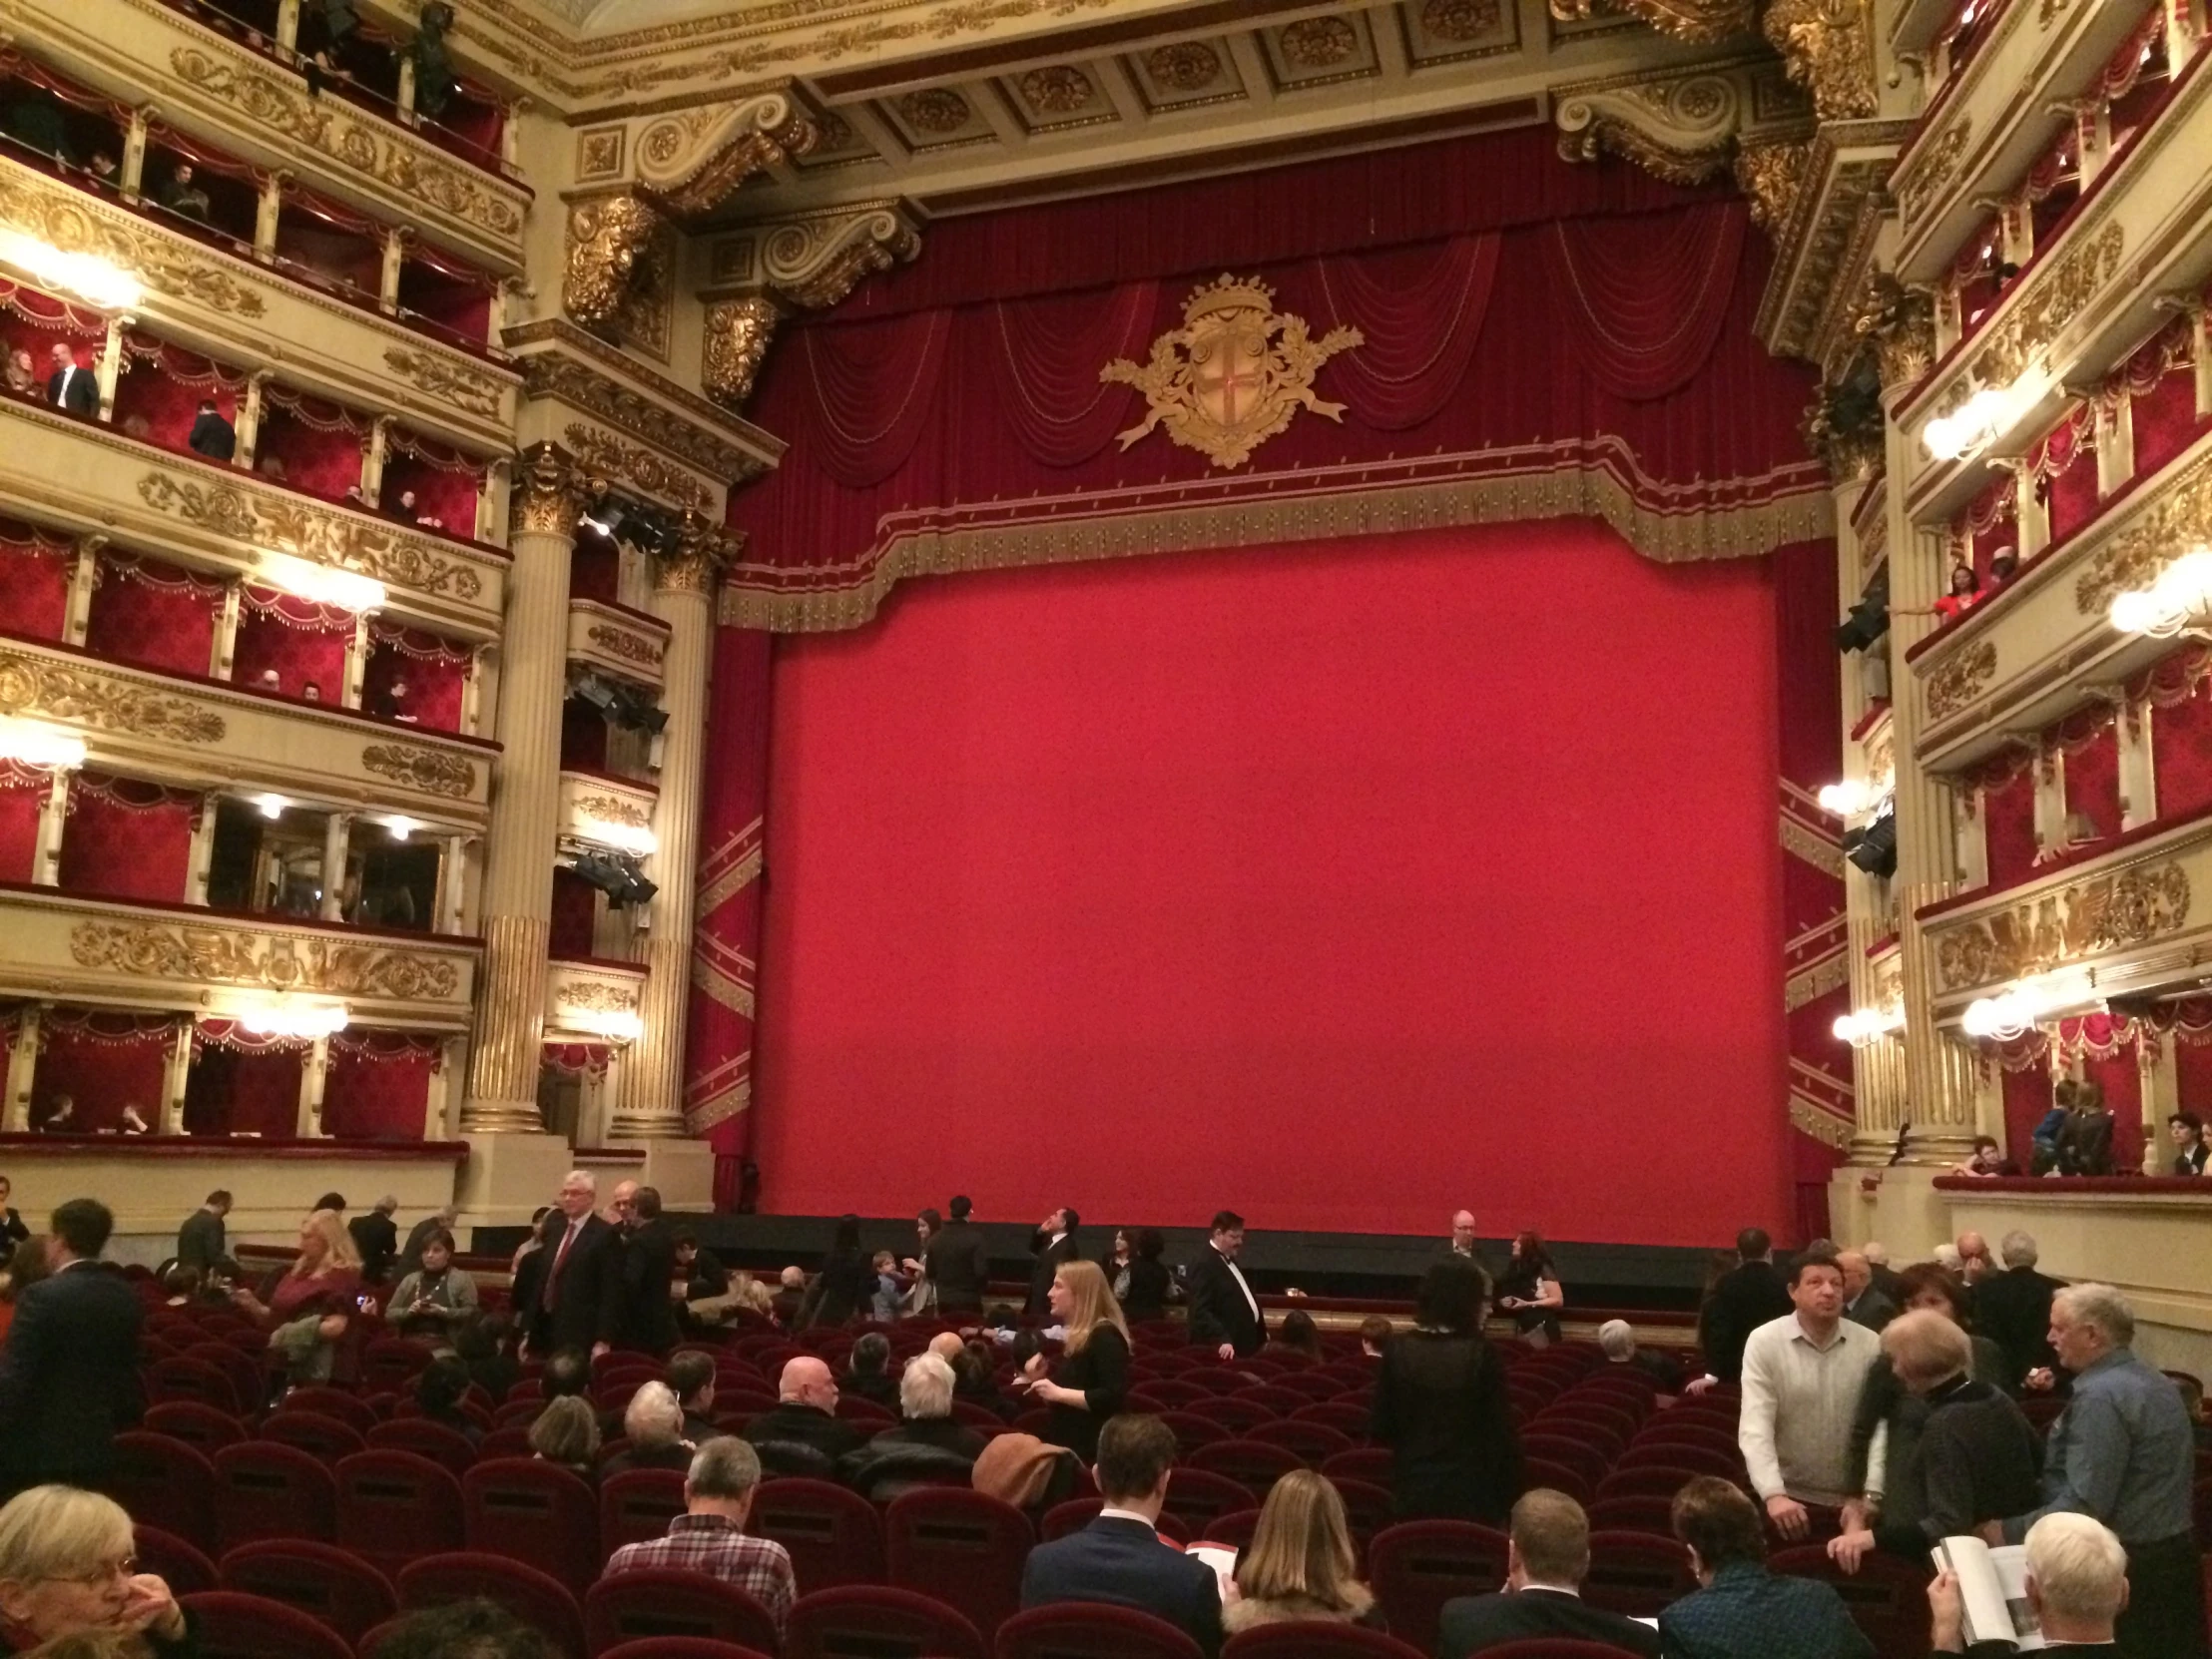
(1869, 619)
(1873, 848)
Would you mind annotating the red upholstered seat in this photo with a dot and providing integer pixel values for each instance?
(1233, 1412)
(544, 1603)
(175, 1562)
(1355, 1422)
(637, 1505)
(879, 1621)
(1367, 1506)
(1556, 1647)
(320, 1436)
(1192, 1431)
(1887, 1596)
(1197, 1495)
(865, 1412)
(394, 1363)
(349, 1410)
(964, 1549)
(267, 1491)
(184, 1377)
(241, 1366)
(835, 1536)
(1311, 1443)
(519, 1413)
(234, 1626)
(1646, 1480)
(533, 1512)
(1233, 1529)
(198, 1425)
(1174, 1393)
(1636, 1573)
(682, 1647)
(1697, 1456)
(513, 1442)
(634, 1605)
(1417, 1566)
(1634, 1515)
(1541, 1471)
(1315, 1639)
(1092, 1631)
(396, 1507)
(447, 1447)
(1273, 1396)
(163, 1482)
(328, 1584)
(1367, 1463)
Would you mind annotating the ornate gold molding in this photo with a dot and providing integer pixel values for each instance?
(604, 453)
(2178, 519)
(598, 997)
(1771, 176)
(612, 809)
(702, 551)
(2027, 329)
(1698, 20)
(738, 332)
(473, 391)
(431, 771)
(232, 956)
(692, 161)
(77, 223)
(1961, 678)
(631, 648)
(1682, 124)
(550, 489)
(611, 252)
(86, 695)
(2105, 913)
(1899, 323)
(1920, 185)
(1828, 48)
(673, 419)
(818, 259)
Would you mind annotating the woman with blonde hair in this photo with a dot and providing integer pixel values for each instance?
(1300, 1565)
(567, 1434)
(1092, 1378)
(66, 1570)
(312, 1309)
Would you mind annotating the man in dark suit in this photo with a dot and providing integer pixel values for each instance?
(69, 1376)
(1862, 1304)
(575, 1300)
(1747, 1296)
(1545, 1562)
(806, 1413)
(1119, 1558)
(210, 434)
(2013, 1309)
(1225, 1315)
(648, 1268)
(376, 1237)
(71, 389)
(1052, 1244)
(957, 1263)
(200, 1242)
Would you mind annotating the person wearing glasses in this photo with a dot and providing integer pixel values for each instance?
(66, 1570)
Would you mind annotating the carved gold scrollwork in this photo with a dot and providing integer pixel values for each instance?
(702, 550)
(76, 223)
(612, 809)
(2055, 297)
(2105, 913)
(1771, 174)
(234, 958)
(1921, 184)
(1828, 48)
(469, 389)
(599, 999)
(1958, 681)
(1698, 20)
(431, 771)
(817, 261)
(558, 374)
(549, 491)
(1686, 125)
(1899, 323)
(31, 685)
(631, 648)
(2179, 519)
(611, 246)
(694, 160)
(736, 339)
(604, 453)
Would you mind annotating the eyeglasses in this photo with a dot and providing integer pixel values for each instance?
(126, 1566)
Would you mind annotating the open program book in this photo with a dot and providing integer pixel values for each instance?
(1994, 1585)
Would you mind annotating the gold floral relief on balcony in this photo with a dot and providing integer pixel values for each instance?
(2025, 331)
(596, 998)
(357, 544)
(1959, 680)
(2178, 520)
(1772, 176)
(236, 956)
(470, 389)
(613, 809)
(333, 131)
(2087, 918)
(556, 374)
(1921, 186)
(431, 771)
(631, 648)
(1826, 47)
(32, 684)
(77, 224)
(611, 244)
(604, 453)
(1698, 20)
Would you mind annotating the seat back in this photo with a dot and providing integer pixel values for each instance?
(1197, 1495)
(680, 1647)
(636, 1507)
(532, 1512)
(1092, 1631)
(237, 1626)
(1417, 1566)
(198, 1425)
(634, 1605)
(267, 1491)
(163, 1483)
(1556, 1647)
(965, 1548)
(545, 1604)
(1315, 1639)
(835, 1536)
(1636, 1574)
(175, 1562)
(328, 1584)
(447, 1447)
(349, 1410)
(1311, 1443)
(1367, 1463)
(1887, 1597)
(396, 1507)
(879, 1621)
(320, 1436)
(184, 1377)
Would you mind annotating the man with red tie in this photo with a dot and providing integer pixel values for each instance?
(574, 1297)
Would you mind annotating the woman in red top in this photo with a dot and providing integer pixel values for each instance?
(1965, 593)
(323, 1282)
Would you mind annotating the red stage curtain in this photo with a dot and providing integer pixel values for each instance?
(726, 941)
(35, 571)
(127, 839)
(2027, 1097)
(378, 1087)
(104, 1062)
(574, 914)
(152, 614)
(2009, 819)
(2093, 773)
(1049, 351)
(875, 387)
(23, 792)
(305, 643)
(1114, 785)
(1644, 300)
(575, 1059)
(1420, 312)
(435, 670)
(2181, 734)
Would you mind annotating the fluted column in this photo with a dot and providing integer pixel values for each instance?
(650, 1102)
(517, 905)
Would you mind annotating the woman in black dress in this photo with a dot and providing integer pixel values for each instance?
(847, 1279)
(1440, 1405)
(1093, 1375)
(1529, 1290)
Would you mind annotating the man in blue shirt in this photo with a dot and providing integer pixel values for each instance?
(1743, 1611)
(2124, 1452)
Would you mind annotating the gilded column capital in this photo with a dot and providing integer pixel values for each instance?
(701, 552)
(550, 489)
(610, 253)
(738, 332)
(1828, 48)
(1899, 323)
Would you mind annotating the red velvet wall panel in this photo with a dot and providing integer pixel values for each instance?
(301, 657)
(2027, 1097)
(380, 1097)
(163, 618)
(127, 839)
(2193, 1074)
(2124, 1098)
(2073, 498)
(23, 794)
(2093, 779)
(34, 588)
(1346, 883)
(575, 914)
(2181, 752)
(2009, 819)
(2165, 420)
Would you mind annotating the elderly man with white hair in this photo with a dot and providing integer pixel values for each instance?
(2124, 1452)
(2077, 1588)
(572, 1297)
(1616, 1338)
(653, 1422)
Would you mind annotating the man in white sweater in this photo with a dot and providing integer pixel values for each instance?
(1802, 1376)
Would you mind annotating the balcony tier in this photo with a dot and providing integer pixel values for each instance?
(184, 959)
(593, 802)
(243, 314)
(79, 475)
(585, 1000)
(617, 639)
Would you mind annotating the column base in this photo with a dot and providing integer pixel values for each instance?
(680, 1169)
(501, 1117)
(510, 1175)
(627, 1128)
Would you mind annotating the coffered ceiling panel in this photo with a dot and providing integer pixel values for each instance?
(1183, 74)
(1319, 51)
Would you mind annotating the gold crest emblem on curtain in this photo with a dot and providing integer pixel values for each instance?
(1233, 374)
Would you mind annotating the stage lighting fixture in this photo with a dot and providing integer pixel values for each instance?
(636, 709)
(1873, 848)
(598, 690)
(605, 514)
(616, 874)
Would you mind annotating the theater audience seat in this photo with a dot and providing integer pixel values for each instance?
(234, 1626)
(545, 1604)
(1092, 1631)
(871, 1619)
(330, 1585)
(632, 1607)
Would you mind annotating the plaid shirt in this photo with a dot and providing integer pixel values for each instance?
(760, 1567)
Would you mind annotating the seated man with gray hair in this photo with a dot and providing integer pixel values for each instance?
(654, 1424)
(928, 1447)
(710, 1535)
(2123, 1453)
(1617, 1339)
(2076, 1587)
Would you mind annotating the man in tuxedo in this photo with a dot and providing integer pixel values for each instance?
(201, 1240)
(210, 434)
(1051, 1245)
(69, 1379)
(2076, 1586)
(71, 389)
(575, 1296)
(1749, 1295)
(957, 1263)
(648, 1270)
(1545, 1561)
(1119, 1558)
(1225, 1315)
(2013, 1310)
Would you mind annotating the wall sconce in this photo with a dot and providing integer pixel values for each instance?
(2182, 593)
(1970, 428)
(287, 1017)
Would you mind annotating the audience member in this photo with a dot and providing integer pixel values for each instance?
(437, 1221)
(567, 1373)
(1225, 1315)
(1741, 1610)
(376, 1240)
(435, 1299)
(647, 1265)
(2013, 1309)
(1748, 1296)
(1461, 1243)
(653, 1422)
(12, 1230)
(1374, 1331)
(481, 1346)
(921, 1295)
(1974, 1261)
(2044, 1139)
(710, 1536)
(1987, 1158)
(790, 1300)
(2124, 1452)
(1929, 1287)
(1529, 1290)
(1052, 1245)
(22, 372)
(311, 1307)
(575, 1299)
(957, 1263)
(71, 389)
(805, 1416)
(691, 1377)
(2076, 1584)
(845, 1285)
(2085, 1143)
(68, 1566)
(1296, 1335)
(1440, 1405)
(926, 1412)
(1119, 1558)
(1862, 1304)
(566, 1433)
(1141, 1281)
(1546, 1559)
(2190, 1152)
(703, 1291)
(1300, 1565)
(1803, 1378)
(1885, 1276)
(69, 1378)
(1616, 1339)
(868, 1370)
(473, 1629)
(1959, 1451)
(1093, 1379)
(180, 194)
(210, 434)
(889, 1299)
(201, 1240)
(439, 1389)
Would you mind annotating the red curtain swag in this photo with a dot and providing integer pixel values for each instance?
(22, 794)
